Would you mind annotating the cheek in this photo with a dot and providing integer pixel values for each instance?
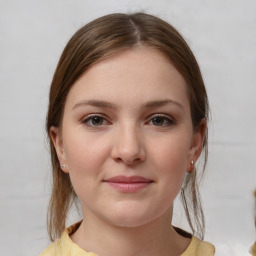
(169, 159)
(84, 154)
(171, 152)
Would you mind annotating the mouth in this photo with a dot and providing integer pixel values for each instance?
(130, 184)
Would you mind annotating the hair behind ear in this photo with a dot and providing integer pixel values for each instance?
(62, 197)
(191, 200)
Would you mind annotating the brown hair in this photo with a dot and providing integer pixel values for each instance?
(98, 40)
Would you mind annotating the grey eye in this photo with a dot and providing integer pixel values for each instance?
(161, 121)
(158, 121)
(96, 120)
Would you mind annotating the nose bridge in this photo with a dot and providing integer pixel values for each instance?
(129, 146)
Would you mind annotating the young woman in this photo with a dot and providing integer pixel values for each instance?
(127, 122)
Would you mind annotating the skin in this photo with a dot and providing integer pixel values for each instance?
(133, 134)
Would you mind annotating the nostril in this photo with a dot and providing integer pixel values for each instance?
(129, 161)
(128, 148)
(118, 159)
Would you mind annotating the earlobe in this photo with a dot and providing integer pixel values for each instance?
(57, 141)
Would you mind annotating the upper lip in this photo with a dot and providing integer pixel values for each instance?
(128, 179)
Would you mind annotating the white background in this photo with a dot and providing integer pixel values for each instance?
(33, 33)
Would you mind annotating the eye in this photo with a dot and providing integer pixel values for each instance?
(161, 120)
(94, 120)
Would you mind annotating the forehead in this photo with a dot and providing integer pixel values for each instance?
(136, 75)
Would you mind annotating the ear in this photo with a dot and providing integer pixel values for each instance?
(56, 138)
(197, 142)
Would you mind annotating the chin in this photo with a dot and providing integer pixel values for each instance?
(132, 216)
(129, 221)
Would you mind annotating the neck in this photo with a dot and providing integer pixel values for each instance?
(155, 238)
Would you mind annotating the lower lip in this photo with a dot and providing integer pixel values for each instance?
(129, 187)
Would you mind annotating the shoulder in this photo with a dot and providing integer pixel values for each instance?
(199, 248)
(205, 248)
(64, 245)
(52, 250)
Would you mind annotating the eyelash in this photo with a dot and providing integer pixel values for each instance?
(168, 121)
(90, 118)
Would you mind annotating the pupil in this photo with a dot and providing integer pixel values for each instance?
(96, 120)
(158, 121)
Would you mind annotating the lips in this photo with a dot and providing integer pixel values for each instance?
(127, 184)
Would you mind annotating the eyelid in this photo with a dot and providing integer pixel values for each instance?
(93, 115)
(163, 116)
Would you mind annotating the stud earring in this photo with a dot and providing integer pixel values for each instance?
(192, 166)
(63, 166)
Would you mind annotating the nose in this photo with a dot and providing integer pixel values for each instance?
(129, 146)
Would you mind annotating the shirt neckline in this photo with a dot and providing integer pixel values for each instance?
(68, 244)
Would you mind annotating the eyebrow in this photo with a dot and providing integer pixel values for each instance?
(160, 103)
(95, 103)
(105, 104)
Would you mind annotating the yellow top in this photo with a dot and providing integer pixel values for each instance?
(66, 247)
(253, 247)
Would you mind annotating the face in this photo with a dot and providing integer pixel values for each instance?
(127, 137)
